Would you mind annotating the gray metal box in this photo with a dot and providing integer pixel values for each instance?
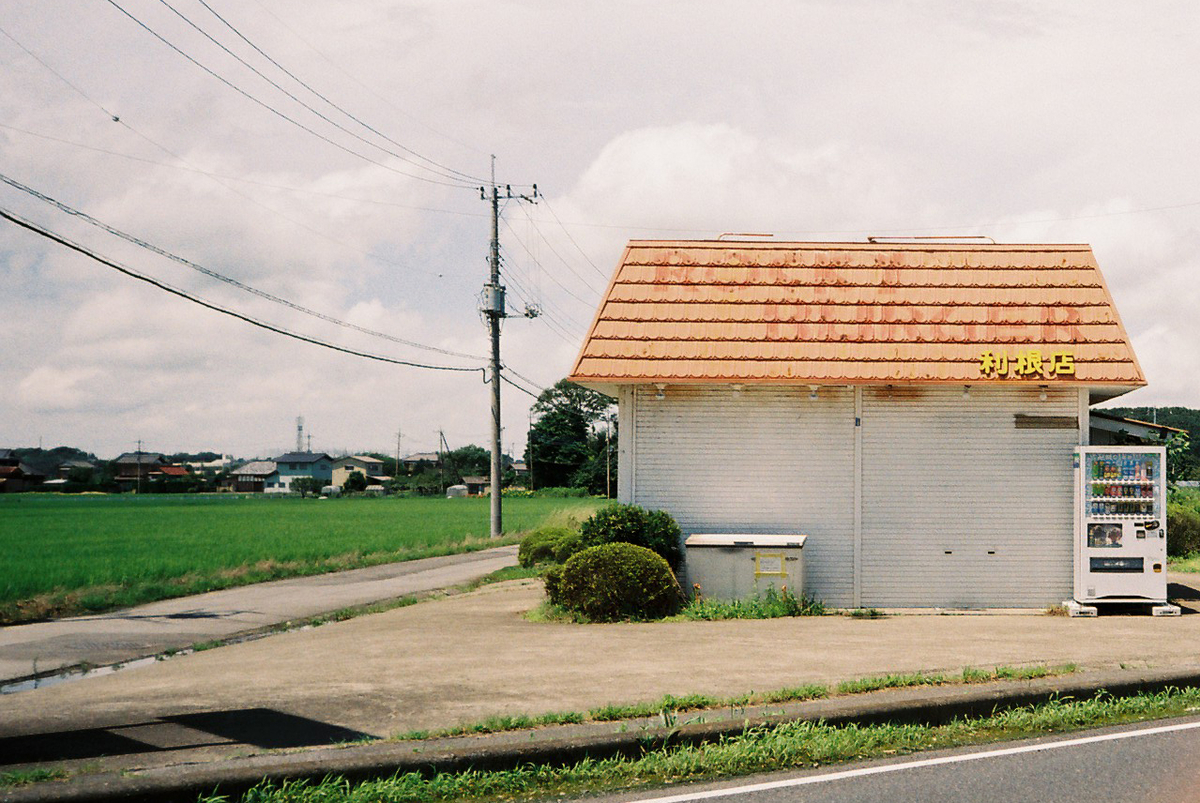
(735, 566)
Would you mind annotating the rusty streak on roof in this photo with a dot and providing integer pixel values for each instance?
(851, 313)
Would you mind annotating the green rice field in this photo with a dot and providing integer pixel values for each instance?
(70, 554)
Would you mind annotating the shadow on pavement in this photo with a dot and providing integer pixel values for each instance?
(259, 727)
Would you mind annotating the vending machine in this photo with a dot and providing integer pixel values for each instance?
(1120, 528)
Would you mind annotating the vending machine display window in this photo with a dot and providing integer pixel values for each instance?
(1104, 536)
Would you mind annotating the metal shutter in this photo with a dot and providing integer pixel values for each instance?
(767, 460)
(961, 507)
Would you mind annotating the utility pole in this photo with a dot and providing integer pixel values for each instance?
(399, 435)
(139, 467)
(493, 308)
(443, 457)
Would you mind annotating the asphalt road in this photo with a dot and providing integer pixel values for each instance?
(1152, 762)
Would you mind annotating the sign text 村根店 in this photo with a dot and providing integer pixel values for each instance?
(1030, 363)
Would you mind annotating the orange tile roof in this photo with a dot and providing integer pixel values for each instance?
(854, 313)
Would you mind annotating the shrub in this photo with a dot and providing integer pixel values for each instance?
(568, 545)
(1183, 530)
(539, 546)
(630, 524)
(611, 582)
(553, 579)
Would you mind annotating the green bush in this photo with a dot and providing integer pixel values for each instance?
(630, 524)
(618, 581)
(552, 575)
(540, 545)
(568, 545)
(1183, 530)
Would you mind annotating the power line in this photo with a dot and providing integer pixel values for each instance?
(555, 328)
(220, 276)
(578, 247)
(518, 387)
(49, 235)
(531, 293)
(223, 177)
(120, 121)
(939, 228)
(549, 309)
(553, 278)
(302, 83)
(275, 111)
(375, 94)
(441, 173)
(523, 378)
(586, 281)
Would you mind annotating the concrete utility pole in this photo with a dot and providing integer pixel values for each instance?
(399, 434)
(493, 308)
(139, 467)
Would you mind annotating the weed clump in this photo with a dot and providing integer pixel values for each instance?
(769, 605)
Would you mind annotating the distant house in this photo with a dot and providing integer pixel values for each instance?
(133, 468)
(253, 477)
(1107, 428)
(65, 468)
(132, 465)
(300, 464)
(477, 486)
(370, 467)
(414, 461)
(13, 479)
(209, 466)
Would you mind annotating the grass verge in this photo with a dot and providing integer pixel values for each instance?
(27, 777)
(1188, 563)
(792, 745)
(669, 705)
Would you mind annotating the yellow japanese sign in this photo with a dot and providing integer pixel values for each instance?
(1027, 364)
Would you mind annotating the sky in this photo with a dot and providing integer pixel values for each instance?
(1027, 122)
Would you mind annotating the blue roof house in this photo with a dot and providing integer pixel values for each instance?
(299, 464)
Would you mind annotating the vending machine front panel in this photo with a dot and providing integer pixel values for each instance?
(1121, 547)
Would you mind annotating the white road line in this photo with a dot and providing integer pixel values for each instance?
(909, 765)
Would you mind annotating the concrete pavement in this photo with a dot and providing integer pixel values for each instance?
(121, 636)
(464, 658)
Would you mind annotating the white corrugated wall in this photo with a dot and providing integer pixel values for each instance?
(960, 507)
(767, 460)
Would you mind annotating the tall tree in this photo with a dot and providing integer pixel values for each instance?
(561, 442)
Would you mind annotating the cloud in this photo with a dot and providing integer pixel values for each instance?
(57, 389)
(810, 120)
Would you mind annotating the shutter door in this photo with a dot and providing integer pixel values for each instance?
(967, 502)
(767, 460)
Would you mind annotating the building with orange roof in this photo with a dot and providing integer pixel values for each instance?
(911, 407)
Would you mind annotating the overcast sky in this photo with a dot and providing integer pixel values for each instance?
(1029, 122)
